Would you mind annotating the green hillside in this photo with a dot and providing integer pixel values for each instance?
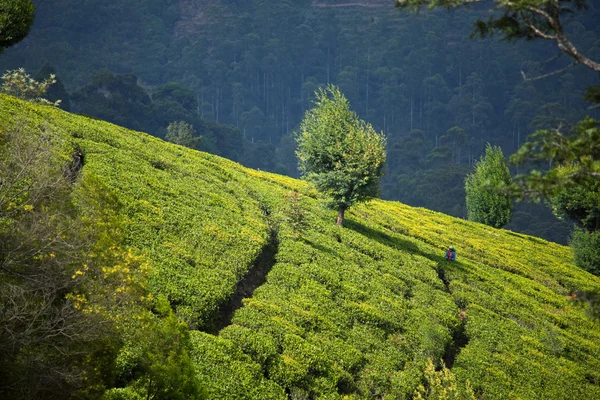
(342, 313)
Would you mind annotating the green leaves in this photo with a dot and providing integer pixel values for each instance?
(342, 155)
(16, 18)
(484, 203)
(574, 161)
(181, 133)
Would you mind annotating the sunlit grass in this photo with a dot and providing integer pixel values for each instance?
(351, 312)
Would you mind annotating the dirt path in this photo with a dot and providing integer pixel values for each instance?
(256, 276)
(459, 334)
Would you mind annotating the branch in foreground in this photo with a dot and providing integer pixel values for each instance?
(549, 74)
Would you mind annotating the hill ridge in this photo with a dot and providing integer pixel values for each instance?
(355, 312)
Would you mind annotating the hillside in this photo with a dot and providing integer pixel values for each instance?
(326, 312)
(248, 71)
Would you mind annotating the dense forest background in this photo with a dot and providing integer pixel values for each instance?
(243, 73)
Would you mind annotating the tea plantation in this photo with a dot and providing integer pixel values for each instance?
(357, 312)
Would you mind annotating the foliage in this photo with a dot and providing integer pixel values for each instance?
(579, 202)
(19, 84)
(180, 133)
(586, 250)
(441, 385)
(484, 204)
(353, 312)
(579, 152)
(67, 285)
(294, 213)
(592, 94)
(155, 362)
(16, 18)
(57, 91)
(42, 247)
(341, 154)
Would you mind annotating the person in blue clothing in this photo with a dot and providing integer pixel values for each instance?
(451, 254)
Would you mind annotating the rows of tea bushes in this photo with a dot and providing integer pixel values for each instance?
(357, 310)
(526, 336)
(188, 213)
(353, 312)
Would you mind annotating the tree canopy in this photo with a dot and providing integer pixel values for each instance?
(16, 18)
(484, 203)
(341, 154)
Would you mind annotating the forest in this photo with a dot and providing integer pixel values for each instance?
(244, 73)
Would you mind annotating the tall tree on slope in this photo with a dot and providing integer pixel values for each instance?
(484, 204)
(341, 154)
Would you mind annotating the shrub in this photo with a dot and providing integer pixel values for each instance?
(294, 213)
(441, 385)
(19, 84)
(586, 250)
(181, 133)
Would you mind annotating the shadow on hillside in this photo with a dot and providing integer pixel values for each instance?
(436, 255)
(319, 247)
(256, 276)
(391, 241)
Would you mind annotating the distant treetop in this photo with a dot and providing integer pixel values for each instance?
(16, 18)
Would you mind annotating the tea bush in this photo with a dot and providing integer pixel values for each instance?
(354, 312)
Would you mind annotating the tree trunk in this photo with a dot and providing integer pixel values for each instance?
(340, 218)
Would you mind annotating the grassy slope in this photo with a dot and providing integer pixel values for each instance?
(351, 311)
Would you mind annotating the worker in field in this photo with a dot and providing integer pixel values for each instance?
(451, 254)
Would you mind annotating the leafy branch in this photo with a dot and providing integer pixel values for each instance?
(521, 19)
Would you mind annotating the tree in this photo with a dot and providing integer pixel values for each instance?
(522, 19)
(57, 338)
(579, 151)
(579, 202)
(19, 84)
(73, 298)
(181, 133)
(484, 203)
(341, 154)
(585, 247)
(582, 203)
(16, 18)
(56, 92)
